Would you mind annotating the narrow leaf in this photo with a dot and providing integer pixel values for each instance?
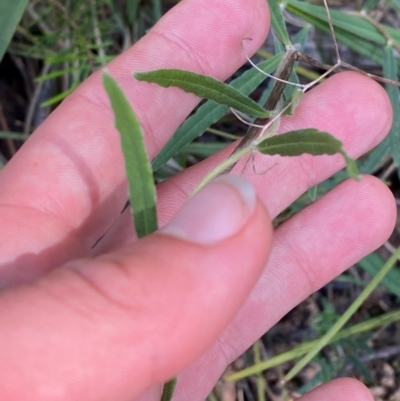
(205, 87)
(168, 390)
(370, 5)
(311, 141)
(303, 348)
(373, 263)
(349, 23)
(299, 40)
(351, 166)
(15, 136)
(356, 33)
(296, 143)
(210, 112)
(390, 71)
(202, 149)
(137, 164)
(278, 23)
(10, 15)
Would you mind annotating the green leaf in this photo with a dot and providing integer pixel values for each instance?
(311, 141)
(10, 15)
(390, 71)
(296, 143)
(299, 39)
(324, 340)
(370, 5)
(205, 87)
(373, 263)
(203, 149)
(60, 73)
(351, 166)
(278, 23)
(376, 157)
(157, 10)
(168, 390)
(15, 136)
(355, 32)
(210, 112)
(348, 23)
(140, 177)
(58, 98)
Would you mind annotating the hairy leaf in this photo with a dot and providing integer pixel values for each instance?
(296, 143)
(278, 23)
(140, 177)
(310, 141)
(205, 87)
(210, 112)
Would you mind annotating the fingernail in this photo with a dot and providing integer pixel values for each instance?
(217, 212)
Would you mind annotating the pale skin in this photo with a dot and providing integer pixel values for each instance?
(118, 320)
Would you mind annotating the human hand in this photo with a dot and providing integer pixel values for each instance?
(125, 319)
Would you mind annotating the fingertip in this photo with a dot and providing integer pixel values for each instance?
(342, 389)
(218, 211)
(369, 109)
(349, 105)
(371, 197)
(226, 23)
(382, 203)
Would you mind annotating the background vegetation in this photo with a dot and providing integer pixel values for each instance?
(56, 45)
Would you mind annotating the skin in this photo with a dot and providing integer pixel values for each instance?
(112, 323)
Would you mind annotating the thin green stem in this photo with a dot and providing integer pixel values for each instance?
(345, 317)
(302, 349)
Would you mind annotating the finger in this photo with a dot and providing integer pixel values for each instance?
(351, 107)
(310, 249)
(67, 184)
(339, 390)
(109, 328)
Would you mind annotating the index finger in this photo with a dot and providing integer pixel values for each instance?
(67, 184)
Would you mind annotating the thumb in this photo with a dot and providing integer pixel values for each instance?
(110, 327)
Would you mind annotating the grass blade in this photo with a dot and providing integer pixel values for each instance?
(210, 112)
(137, 164)
(312, 193)
(303, 348)
(10, 15)
(390, 71)
(345, 317)
(278, 23)
(372, 263)
(204, 87)
(202, 149)
(157, 10)
(344, 32)
(348, 23)
(15, 136)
